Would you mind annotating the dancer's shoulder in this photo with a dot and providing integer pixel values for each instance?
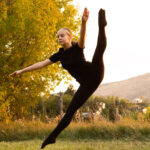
(76, 45)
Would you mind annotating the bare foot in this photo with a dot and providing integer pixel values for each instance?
(102, 19)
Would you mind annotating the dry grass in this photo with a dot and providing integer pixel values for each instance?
(124, 129)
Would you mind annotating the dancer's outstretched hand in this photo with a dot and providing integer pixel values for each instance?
(102, 18)
(85, 15)
(15, 73)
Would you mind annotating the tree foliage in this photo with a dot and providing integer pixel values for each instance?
(27, 35)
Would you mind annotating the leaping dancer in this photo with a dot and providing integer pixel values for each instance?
(88, 74)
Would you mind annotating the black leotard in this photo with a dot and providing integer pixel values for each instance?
(73, 60)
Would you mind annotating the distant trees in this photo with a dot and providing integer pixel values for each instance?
(52, 104)
(111, 111)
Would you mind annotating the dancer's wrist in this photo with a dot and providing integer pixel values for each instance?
(84, 22)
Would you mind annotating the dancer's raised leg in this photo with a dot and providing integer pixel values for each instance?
(101, 41)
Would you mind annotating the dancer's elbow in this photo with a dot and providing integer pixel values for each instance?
(46, 62)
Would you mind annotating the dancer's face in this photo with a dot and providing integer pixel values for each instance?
(63, 37)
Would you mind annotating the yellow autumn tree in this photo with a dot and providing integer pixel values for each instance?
(28, 35)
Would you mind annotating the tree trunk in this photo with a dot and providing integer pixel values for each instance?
(60, 104)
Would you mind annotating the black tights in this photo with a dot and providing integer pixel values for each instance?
(85, 90)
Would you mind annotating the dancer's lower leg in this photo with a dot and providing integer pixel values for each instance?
(78, 100)
(62, 124)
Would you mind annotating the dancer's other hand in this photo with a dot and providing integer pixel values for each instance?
(85, 15)
(15, 73)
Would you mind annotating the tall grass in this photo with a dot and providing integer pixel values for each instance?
(124, 129)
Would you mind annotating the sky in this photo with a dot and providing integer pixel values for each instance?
(128, 34)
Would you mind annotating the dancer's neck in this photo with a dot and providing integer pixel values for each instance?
(67, 46)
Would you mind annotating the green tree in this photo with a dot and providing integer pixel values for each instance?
(27, 35)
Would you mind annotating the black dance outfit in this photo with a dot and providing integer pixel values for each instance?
(88, 74)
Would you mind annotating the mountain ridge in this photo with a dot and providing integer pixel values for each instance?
(131, 88)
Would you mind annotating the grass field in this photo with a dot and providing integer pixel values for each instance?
(78, 145)
(104, 135)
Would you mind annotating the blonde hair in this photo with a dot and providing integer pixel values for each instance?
(68, 31)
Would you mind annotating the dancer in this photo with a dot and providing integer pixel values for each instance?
(88, 74)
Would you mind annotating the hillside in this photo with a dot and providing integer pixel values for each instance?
(129, 89)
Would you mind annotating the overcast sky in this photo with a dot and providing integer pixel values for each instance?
(128, 36)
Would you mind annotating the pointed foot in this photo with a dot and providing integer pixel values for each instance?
(48, 141)
(102, 18)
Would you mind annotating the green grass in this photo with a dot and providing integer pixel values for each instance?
(78, 145)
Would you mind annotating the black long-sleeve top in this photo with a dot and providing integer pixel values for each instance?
(73, 60)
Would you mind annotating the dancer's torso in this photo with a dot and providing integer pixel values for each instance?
(74, 62)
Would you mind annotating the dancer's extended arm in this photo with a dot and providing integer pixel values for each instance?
(35, 66)
(85, 16)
